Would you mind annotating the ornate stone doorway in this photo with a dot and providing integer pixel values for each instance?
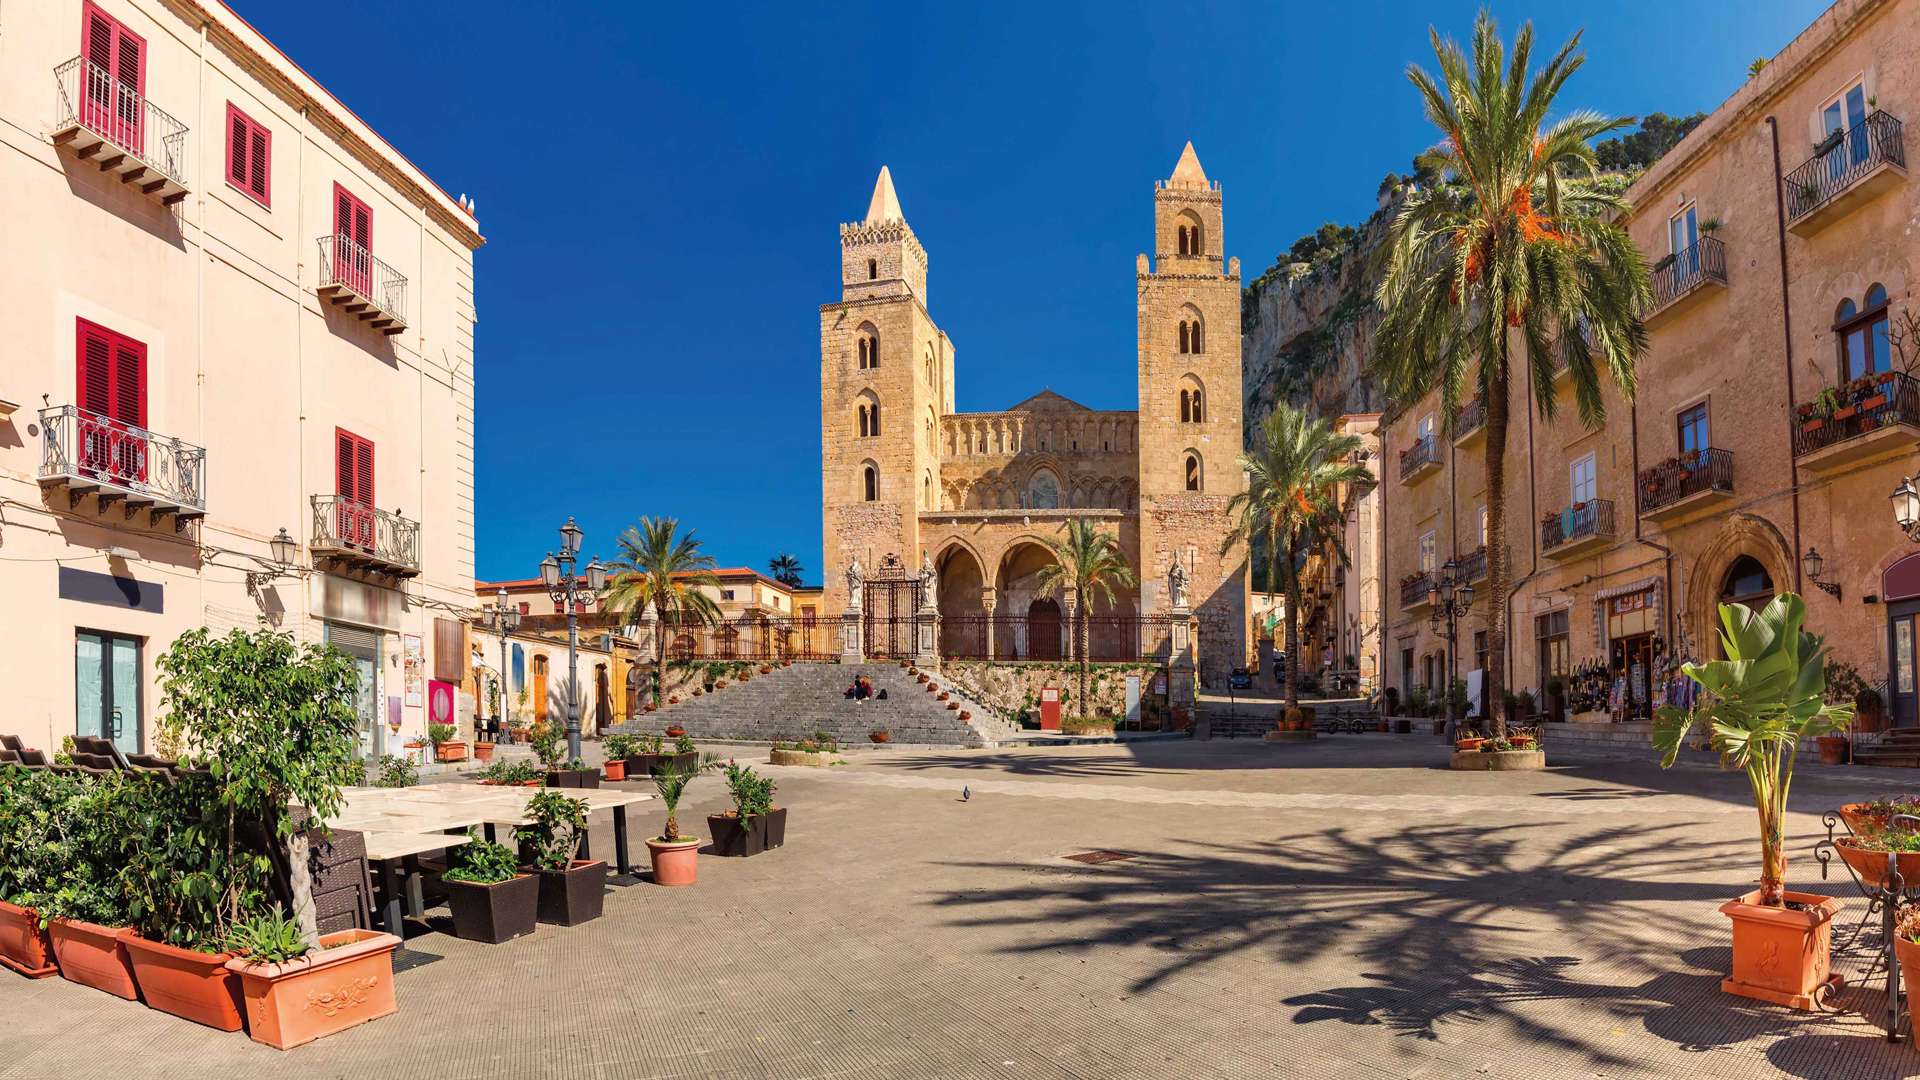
(890, 599)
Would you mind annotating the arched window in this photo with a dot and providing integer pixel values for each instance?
(873, 269)
(1186, 408)
(873, 419)
(1198, 345)
(867, 415)
(1747, 582)
(1183, 337)
(1194, 478)
(1185, 248)
(871, 479)
(926, 491)
(1194, 246)
(869, 346)
(1862, 335)
(1193, 409)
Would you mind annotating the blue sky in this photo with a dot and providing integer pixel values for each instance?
(660, 185)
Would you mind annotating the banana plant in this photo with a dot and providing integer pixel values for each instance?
(1757, 704)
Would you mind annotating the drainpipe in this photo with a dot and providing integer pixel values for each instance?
(1786, 330)
(1666, 616)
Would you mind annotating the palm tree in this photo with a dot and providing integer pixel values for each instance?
(1292, 506)
(1522, 235)
(785, 568)
(659, 570)
(1089, 562)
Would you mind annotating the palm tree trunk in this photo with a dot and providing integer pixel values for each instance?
(1495, 613)
(1080, 645)
(1293, 629)
(659, 654)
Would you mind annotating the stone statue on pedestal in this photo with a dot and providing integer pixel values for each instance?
(1177, 585)
(856, 579)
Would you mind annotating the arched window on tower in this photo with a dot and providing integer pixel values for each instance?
(1193, 408)
(1194, 478)
(873, 269)
(860, 413)
(869, 347)
(1186, 408)
(870, 476)
(1194, 334)
(1184, 250)
(1194, 245)
(1184, 343)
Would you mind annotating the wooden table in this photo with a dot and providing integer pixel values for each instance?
(398, 856)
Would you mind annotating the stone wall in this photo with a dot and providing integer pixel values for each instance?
(1010, 687)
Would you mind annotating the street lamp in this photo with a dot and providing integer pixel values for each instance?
(502, 619)
(1906, 509)
(570, 590)
(284, 549)
(1813, 563)
(1450, 596)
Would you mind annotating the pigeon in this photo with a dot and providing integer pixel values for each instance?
(965, 793)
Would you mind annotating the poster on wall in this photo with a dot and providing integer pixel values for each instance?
(414, 660)
(393, 713)
(439, 702)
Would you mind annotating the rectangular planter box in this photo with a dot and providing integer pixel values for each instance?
(669, 761)
(640, 765)
(24, 947)
(776, 827)
(93, 956)
(573, 778)
(454, 750)
(344, 984)
(735, 840)
(192, 985)
(494, 913)
(575, 895)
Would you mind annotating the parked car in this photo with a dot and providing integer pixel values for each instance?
(1240, 679)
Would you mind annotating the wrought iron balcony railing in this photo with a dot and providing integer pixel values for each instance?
(365, 285)
(1864, 405)
(1689, 474)
(91, 453)
(1413, 591)
(365, 536)
(90, 100)
(1860, 150)
(1581, 521)
(1471, 418)
(1684, 271)
(1424, 451)
(1473, 565)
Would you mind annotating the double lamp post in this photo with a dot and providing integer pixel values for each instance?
(570, 591)
(1450, 594)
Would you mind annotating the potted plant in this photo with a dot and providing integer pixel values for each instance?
(618, 747)
(644, 754)
(483, 750)
(445, 746)
(817, 751)
(492, 899)
(676, 858)
(296, 991)
(1869, 710)
(30, 866)
(880, 735)
(1832, 749)
(685, 753)
(1906, 947)
(86, 914)
(547, 746)
(572, 890)
(674, 731)
(1868, 854)
(1759, 703)
(744, 830)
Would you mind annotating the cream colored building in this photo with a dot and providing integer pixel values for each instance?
(1783, 267)
(232, 309)
(907, 477)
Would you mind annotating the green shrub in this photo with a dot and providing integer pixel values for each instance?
(397, 771)
(752, 793)
(620, 746)
(559, 822)
(482, 862)
(439, 733)
(270, 938)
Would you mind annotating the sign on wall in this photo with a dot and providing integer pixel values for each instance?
(414, 664)
(439, 702)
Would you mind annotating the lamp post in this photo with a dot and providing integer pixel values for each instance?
(1450, 596)
(569, 589)
(502, 619)
(284, 548)
(1906, 509)
(1813, 564)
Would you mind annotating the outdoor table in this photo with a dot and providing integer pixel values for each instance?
(617, 801)
(397, 854)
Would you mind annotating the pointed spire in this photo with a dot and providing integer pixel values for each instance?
(885, 205)
(1188, 173)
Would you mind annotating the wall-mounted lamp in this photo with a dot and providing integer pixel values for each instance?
(284, 549)
(1813, 564)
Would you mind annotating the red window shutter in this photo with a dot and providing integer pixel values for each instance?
(343, 468)
(257, 182)
(363, 226)
(129, 381)
(342, 212)
(95, 369)
(249, 157)
(237, 147)
(363, 471)
(97, 28)
(130, 65)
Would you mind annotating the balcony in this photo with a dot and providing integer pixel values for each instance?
(1418, 460)
(1685, 487)
(1414, 590)
(129, 467)
(107, 123)
(1879, 421)
(1471, 422)
(353, 279)
(1579, 528)
(1681, 279)
(1846, 170)
(1472, 566)
(357, 537)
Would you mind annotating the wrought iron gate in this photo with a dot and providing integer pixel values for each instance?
(890, 601)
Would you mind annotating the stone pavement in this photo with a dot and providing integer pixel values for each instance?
(1342, 908)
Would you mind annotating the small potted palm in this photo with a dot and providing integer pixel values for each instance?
(1758, 705)
(491, 898)
(572, 890)
(676, 858)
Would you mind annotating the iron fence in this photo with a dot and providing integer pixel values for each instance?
(1689, 474)
(345, 263)
(1591, 518)
(90, 96)
(1843, 159)
(1891, 397)
(85, 446)
(1109, 638)
(344, 526)
(753, 637)
(1414, 590)
(1423, 452)
(1706, 260)
(1471, 418)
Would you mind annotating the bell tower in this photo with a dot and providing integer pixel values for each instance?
(1190, 414)
(886, 378)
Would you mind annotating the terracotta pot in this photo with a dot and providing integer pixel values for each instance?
(451, 750)
(1860, 820)
(880, 736)
(1845, 413)
(494, 913)
(1833, 749)
(1468, 744)
(676, 731)
(650, 706)
(24, 946)
(575, 895)
(192, 985)
(953, 706)
(1909, 954)
(483, 752)
(1872, 865)
(1780, 954)
(616, 770)
(92, 955)
(1873, 402)
(676, 863)
(765, 670)
(344, 984)
(965, 715)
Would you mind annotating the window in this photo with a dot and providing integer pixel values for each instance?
(1043, 491)
(1482, 518)
(869, 346)
(726, 594)
(872, 482)
(1683, 232)
(873, 269)
(1581, 480)
(1846, 112)
(1192, 410)
(1193, 471)
(1480, 650)
(1423, 431)
(111, 372)
(1190, 336)
(526, 608)
(249, 155)
(106, 688)
(353, 483)
(1747, 582)
(352, 242)
(1429, 551)
(1550, 631)
(116, 77)
(1693, 430)
(1862, 333)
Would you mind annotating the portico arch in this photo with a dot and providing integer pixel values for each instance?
(1017, 583)
(1740, 535)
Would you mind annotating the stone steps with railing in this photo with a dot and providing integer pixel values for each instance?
(796, 702)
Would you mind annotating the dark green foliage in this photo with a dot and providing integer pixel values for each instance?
(558, 824)
(684, 745)
(397, 771)
(482, 862)
(187, 882)
(752, 793)
(269, 938)
(547, 745)
(1658, 134)
(620, 746)
(671, 782)
(516, 771)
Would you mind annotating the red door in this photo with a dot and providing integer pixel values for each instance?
(352, 242)
(111, 434)
(112, 79)
(353, 469)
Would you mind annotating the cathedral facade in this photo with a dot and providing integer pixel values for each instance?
(973, 495)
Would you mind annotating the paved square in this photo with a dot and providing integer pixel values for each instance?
(1344, 908)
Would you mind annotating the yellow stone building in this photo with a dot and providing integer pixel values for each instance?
(962, 501)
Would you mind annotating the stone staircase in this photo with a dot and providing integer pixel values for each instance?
(795, 702)
(1248, 721)
(1899, 747)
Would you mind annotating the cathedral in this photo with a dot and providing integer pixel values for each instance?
(907, 480)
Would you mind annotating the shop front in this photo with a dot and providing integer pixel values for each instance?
(360, 620)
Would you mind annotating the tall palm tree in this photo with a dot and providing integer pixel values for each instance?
(1295, 477)
(1088, 561)
(665, 572)
(785, 568)
(1521, 236)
